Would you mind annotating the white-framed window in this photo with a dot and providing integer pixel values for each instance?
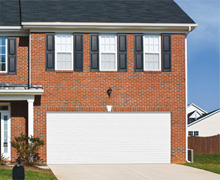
(152, 52)
(190, 133)
(196, 133)
(63, 52)
(108, 52)
(3, 54)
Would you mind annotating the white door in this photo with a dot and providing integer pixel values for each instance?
(5, 135)
(105, 138)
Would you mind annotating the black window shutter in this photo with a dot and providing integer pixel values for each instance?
(122, 53)
(166, 53)
(94, 55)
(50, 52)
(78, 52)
(12, 56)
(138, 52)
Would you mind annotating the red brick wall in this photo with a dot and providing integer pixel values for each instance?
(84, 91)
(22, 64)
(19, 120)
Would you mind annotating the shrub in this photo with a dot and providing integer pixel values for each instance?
(27, 148)
(2, 159)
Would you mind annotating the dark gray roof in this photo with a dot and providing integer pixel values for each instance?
(121, 11)
(190, 120)
(204, 115)
(9, 13)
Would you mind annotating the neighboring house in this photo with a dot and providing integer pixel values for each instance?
(59, 58)
(194, 112)
(207, 124)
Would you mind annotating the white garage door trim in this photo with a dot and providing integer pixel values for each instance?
(108, 138)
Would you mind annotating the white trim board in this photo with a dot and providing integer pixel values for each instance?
(6, 112)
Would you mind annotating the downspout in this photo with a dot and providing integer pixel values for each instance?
(189, 30)
(29, 63)
(186, 89)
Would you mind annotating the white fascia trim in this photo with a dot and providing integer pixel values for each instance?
(108, 24)
(10, 27)
(180, 26)
(204, 118)
(20, 92)
(197, 107)
(16, 97)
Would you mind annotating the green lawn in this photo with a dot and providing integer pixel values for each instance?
(6, 174)
(209, 162)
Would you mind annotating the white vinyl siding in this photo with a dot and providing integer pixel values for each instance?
(108, 52)
(152, 53)
(64, 51)
(106, 138)
(3, 54)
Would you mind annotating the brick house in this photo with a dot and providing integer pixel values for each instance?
(59, 59)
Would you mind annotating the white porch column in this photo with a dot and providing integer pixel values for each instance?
(30, 117)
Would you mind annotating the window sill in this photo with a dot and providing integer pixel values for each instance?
(64, 71)
(152, 72)
(3, 73)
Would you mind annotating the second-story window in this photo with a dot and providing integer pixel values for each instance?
(3, 54)
(64, 51)
(108, 52)
(152, 53)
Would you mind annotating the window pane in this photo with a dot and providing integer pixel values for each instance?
(64, 61)
(2, 58)
(190, 133)
(2, 67)
(2, 49)
(196, 133)
(2, 41)
(5, 134)
(108, 61)
(152, 61)
(152, 43)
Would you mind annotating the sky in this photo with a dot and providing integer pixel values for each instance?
(203, 53)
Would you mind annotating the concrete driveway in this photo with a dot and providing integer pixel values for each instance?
(131, 172)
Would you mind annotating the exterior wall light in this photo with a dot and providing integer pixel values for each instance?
(109, 91)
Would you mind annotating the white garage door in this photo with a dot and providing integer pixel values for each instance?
(105, 138)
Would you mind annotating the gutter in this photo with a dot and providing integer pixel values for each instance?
(97, 25)
(10, 28)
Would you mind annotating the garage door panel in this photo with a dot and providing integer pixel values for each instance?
(91, 138)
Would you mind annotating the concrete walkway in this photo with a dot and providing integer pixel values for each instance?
(131, 172)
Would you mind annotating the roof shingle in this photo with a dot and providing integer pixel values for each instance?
(118, 11)
(9, 13)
